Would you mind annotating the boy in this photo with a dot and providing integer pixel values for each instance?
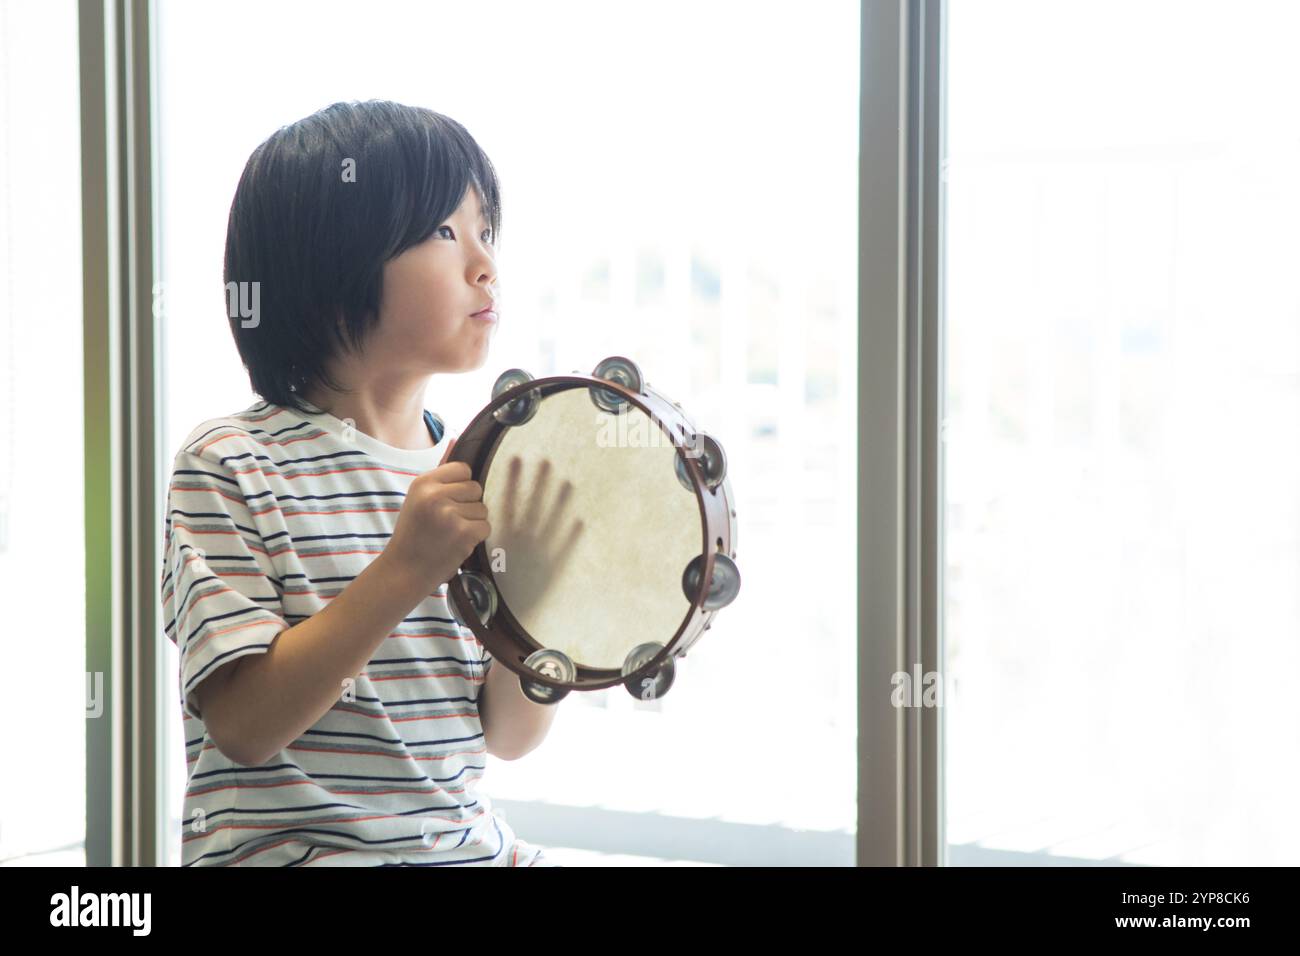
(336, 714)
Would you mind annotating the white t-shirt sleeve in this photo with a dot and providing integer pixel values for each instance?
(219, 599)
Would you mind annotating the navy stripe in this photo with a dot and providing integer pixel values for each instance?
(236, 770)
(219, 660)
(250, 430)
(244, 456)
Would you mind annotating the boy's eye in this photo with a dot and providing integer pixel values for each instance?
(487, 234)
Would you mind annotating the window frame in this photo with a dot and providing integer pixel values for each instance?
(900, 374)
(125, 795)
(899, 452)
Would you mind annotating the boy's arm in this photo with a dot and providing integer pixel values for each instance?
(269, 700)
(513, 726)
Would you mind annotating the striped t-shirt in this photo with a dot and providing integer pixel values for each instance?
(271, 513)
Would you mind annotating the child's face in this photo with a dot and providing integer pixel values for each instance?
(431, 291)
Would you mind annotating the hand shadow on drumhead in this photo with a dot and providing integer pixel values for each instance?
(532, 542)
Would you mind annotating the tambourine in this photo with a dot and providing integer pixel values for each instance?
(613, 538)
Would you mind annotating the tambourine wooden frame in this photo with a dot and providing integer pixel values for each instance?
(503, 636)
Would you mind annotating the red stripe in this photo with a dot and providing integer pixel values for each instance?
(321, 474)
(288, 513)
(362, 753)
(240, 432)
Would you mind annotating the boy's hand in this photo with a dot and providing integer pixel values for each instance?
(442, 520)
(530, 540)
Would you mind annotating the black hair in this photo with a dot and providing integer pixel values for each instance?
(321, 205)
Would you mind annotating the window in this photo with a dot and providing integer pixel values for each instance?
(42, 480)
(1122, 497)
(678, 216)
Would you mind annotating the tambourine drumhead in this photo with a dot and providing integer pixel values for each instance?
(591, 529)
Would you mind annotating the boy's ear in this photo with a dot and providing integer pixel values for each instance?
(341, 335)
(341, 328)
